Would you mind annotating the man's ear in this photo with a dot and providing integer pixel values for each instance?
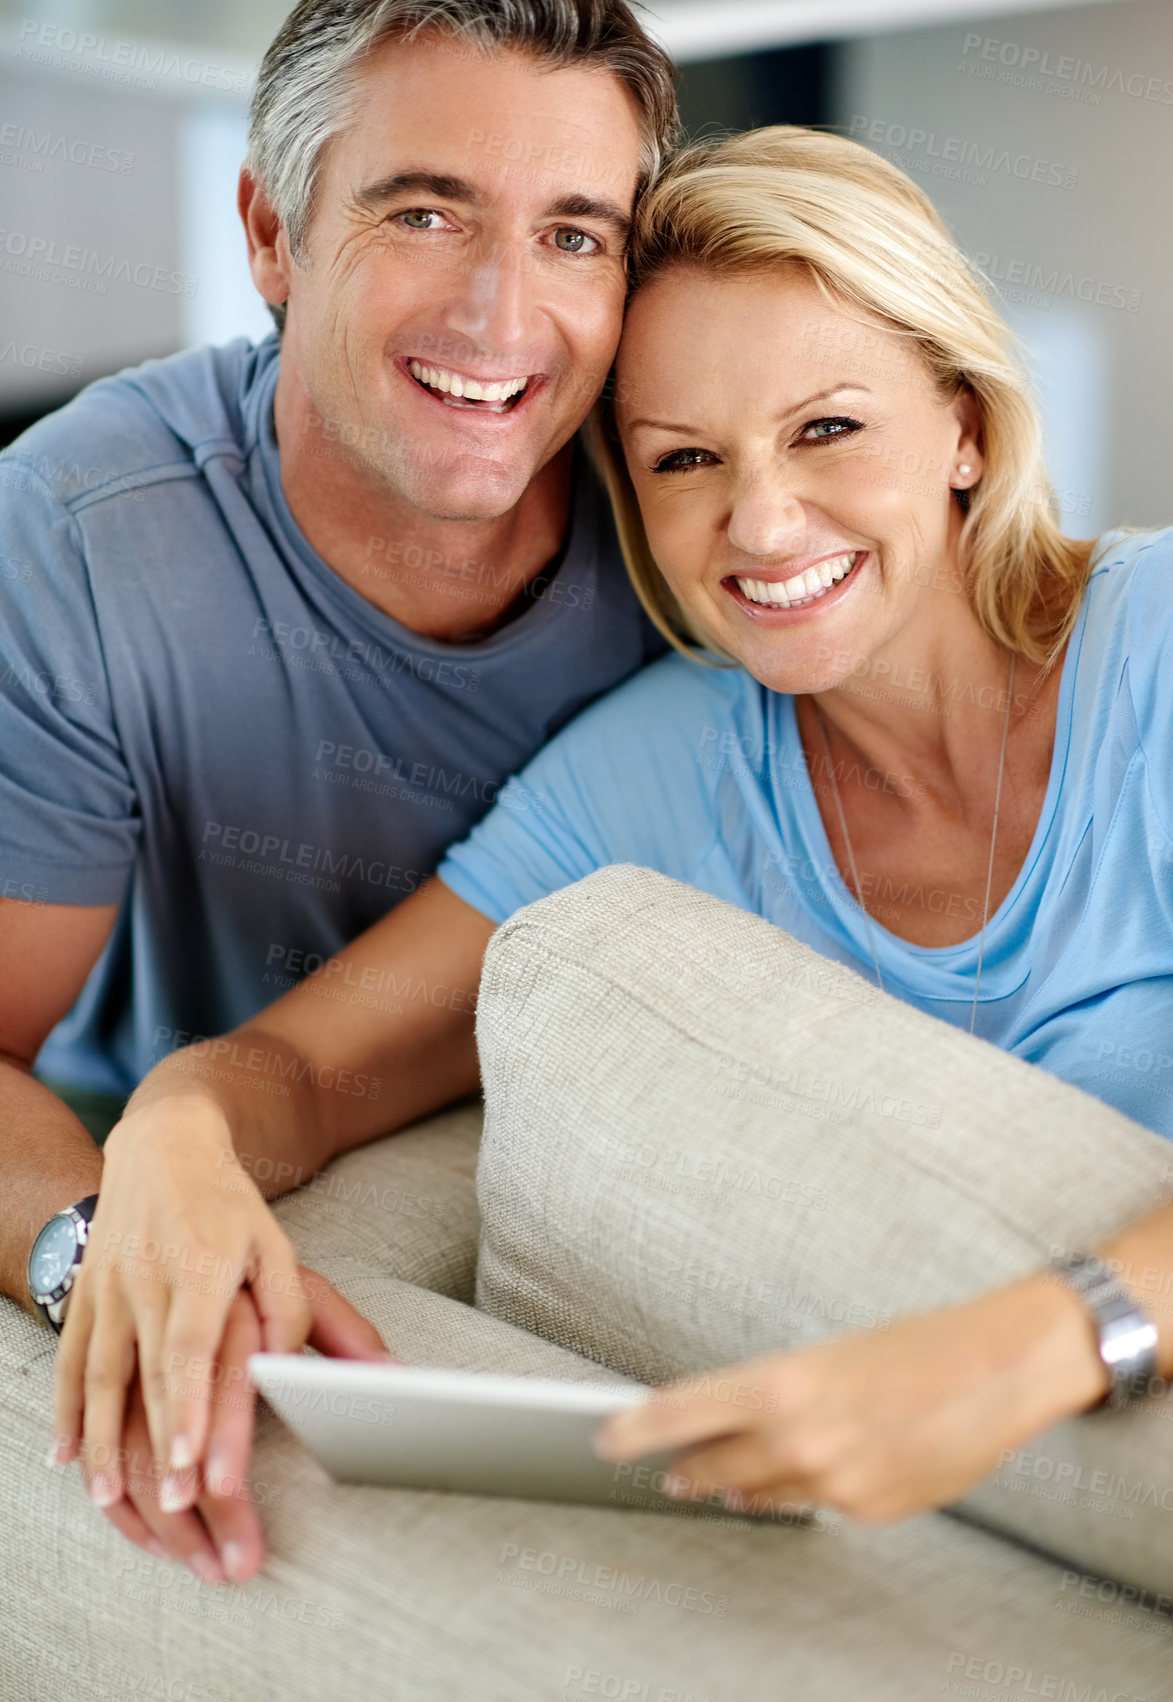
(269, 259)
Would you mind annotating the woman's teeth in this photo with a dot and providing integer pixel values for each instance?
(803, 588)
(459, 391)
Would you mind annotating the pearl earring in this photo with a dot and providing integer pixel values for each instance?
(965, 469)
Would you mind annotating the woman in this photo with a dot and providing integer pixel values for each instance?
(938, 759)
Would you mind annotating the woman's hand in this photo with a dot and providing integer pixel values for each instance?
(878, 1425)
(219, 1536)
(179, 1230)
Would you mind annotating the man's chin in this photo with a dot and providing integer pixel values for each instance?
(482, 493)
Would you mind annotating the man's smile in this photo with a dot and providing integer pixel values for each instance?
(492, 397)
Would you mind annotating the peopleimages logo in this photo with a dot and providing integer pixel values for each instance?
(34, 255)
(27, 143)
(1033, 64)
(99, 55)
(954, 156)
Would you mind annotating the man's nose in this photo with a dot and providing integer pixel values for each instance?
(767, 516)
(492, 306)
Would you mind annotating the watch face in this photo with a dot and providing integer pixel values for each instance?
(53, 1255)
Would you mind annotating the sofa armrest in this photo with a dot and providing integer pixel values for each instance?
(403, 1206)
(704, 1142)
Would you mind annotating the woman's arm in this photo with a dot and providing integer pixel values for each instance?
(881, 1425)
(378, 1036)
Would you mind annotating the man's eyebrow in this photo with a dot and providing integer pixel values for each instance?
(441, 184)
(577, 206)
(445, 187)
(795, 408)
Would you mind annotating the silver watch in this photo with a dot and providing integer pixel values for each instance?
(55, 1257)
(1127, 1337)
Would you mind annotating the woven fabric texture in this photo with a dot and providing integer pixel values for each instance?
(413, 1597)
(404, 1206)
(704, 1142)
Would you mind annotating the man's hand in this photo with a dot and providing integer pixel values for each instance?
(219, 1536)
(880, 1424)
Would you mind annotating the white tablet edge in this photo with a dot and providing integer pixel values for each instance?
(464, 1388)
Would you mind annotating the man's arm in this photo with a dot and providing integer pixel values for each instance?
(47, 1158)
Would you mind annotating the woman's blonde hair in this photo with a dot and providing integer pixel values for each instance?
(872, 241)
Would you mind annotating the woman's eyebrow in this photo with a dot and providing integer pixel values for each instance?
(795, 408)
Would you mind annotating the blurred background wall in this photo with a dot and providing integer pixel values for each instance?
(1045, 136)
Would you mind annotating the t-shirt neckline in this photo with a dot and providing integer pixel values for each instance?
(891, 949)
(579, 547)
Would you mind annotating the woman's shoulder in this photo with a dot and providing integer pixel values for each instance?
(674, 697)
(1132, 583)
(1128, 548)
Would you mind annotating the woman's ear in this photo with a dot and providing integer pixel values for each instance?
(968, 460)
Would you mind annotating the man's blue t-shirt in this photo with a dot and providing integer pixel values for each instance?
(701, 774)
(203, 722)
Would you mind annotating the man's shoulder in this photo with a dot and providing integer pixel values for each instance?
(140, 425)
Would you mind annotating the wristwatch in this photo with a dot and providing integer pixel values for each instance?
(1127, 1337)
(55, 1258)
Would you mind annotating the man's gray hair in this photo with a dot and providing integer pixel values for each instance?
(308, 77)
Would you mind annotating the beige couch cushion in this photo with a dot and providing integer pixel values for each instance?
(413, 1597)
(703, 1142)
(404, 1206)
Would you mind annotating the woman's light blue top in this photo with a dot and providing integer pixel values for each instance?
(700, 774)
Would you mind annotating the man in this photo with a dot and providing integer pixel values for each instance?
(288, 615)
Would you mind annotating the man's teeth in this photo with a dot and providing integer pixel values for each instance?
(804, 587)
(455, 384)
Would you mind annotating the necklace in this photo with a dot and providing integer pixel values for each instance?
(993, 842)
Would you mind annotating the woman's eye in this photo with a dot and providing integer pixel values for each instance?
(679, 461)
(820, 431)
(575, 240)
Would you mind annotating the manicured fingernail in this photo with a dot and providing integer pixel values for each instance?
(156, 1548)
(206, 1569)
(171, 1496)
(234, 1560)
(218, 1477)
(53, 1457)
(104, 1491)
(677, 1487)
(182, 1454)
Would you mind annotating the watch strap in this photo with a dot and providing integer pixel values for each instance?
(1126, 1335)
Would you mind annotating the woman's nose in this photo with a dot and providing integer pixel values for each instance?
(766, 518)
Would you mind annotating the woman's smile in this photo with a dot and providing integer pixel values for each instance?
(786, 596)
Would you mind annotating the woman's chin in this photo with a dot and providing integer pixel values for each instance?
(782, 665)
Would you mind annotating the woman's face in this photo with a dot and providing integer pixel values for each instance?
(793, 467)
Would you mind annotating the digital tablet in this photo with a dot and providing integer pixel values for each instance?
(470, 1432)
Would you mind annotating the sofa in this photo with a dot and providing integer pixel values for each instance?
(699, 1141)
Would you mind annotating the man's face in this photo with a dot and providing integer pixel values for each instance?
(469, 224)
